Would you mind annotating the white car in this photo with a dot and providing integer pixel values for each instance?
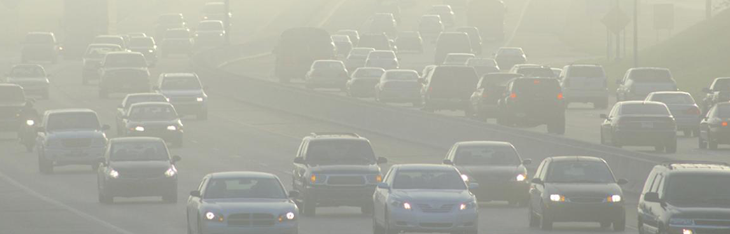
(425, 198)
(241, 202)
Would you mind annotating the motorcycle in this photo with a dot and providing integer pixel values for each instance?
(28, 130)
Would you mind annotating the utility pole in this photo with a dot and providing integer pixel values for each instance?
(636, 33)
(227, 21)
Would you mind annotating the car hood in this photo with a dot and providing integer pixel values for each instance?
(709, 212)
(583, 189)
(132, 166)
(253, 205)
(346, 169)
(492, 172)
(76, 134)
(182, 93)
(430, 196)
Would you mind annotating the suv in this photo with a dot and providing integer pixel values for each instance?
(531, 102)
(719, 91)
(584, 83)
(185, 92)
(40, 46)
(336, 169)
(509, 56)
(686, 197)
(639, 82)
(448, 88)
(70, 137)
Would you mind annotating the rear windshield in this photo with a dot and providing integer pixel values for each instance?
(534, 86)
(586, 72)
(536, 72)
(39, 39)
(152, 112)
(481, 63)
(644, 109)
(100, 51)
(126, 74)
(401, 75)
(459, 58)
(360, 52)
(11, 94)
(141, 42)
(139, 151)
(145, 98)
(332, 152)
(340, 38)
(328, 66)
(651, 75)
(430, 22)
(673, 98)
(454, 40)
(722, 85)
(579, 172)
(109, 40)
(125, 60)
(181, 83)
(368, 73)
(72, 121)
(214, 8)
(374, 41)
(486, 156)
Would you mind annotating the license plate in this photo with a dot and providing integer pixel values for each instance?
(647, 125)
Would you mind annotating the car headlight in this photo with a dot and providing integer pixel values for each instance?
(681, 222)
(316, 179)
(210, 216)
(172, 171)
(467, 205)
(521, 177)
(404, 205)
(375, 178)
(30, 122)
(221, 34)
(557, 198)
(172, 128)
(289, 216)
(465, 177)
(197, 35)
(139, 129)
(199, 99)
(151, 51)
(614, 198)
(113, 174)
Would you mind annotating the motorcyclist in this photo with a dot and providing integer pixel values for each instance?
(27, 132)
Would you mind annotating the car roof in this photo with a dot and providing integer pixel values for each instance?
(577, 158)
(150, 104)
(210, 21)
(124, 52)
(483, 143)
(10, 85)
(641, 102)
(70, 110)
(109, 36)
(648, 68)
(460, 54)
(144, 94)
(369, 68)
(671, 92)
(695, 167)
(335, 135)
(327, 61)
(178, 75)
(418, 167)
(400, 70)
(135, 139)
(241, 174)
(104, 45)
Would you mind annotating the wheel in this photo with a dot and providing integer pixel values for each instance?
(366, 209)
(532, 218)
(671, 147)
(545, 222)
(712, 144)
(701, 142)
(202, 115)
(310, 207)
(619, 224)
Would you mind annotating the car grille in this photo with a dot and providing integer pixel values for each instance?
(431, 209)
(586, 199)
(140, 174)
(346, 180)
(76, 143)
(713, 222)
(436, 225)
(251, 219)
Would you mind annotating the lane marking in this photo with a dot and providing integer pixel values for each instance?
(64, 206)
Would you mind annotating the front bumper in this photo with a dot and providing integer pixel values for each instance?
(224, 228)
(418, 221)
(341, 195)
(644, 137)
(140, 187)
(585, 212)
(74, 156)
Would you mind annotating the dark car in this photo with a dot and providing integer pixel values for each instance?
(363, 80)
(448, 88)
(430, 26)
(509, 56)
(124, 80)
(32, 77)
(530, 102)
(685, 111)
(154, 119)
(127, 102)
(496, 166)
(327, 74)
(640, 123)
(169, 21)
(576, 189)
(384, 23)
(137, 167)
(399, 86)
(177, 41)
(639, 82)
(474, 36)
(410, 42)
(686, 198)
(484, 101)
(714, 129)
(13, 104)
(185, 92)
(146, 46)
(343, 45)
(719, 91)
(451, 42)
(379, 41)
(40, 46)
(336, 169)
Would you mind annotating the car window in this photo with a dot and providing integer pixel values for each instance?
(649, 181)
(510, 52)
(125, 74)
(644, 109)
(579, 172)
(651, 75)
(27, 71)
(329, 152)
(486, 156)
(423, 179)
(125, 60)
(100, 51)
(368, 73)
(72, 121)
(481, 62)
(181, 83)
(586, 72)
(406, 76)
(328, 66)
(139, 151)
(381, 55)
(242, 188)
(152, 112)
(710, 190)
(721, 85)
(673, 98)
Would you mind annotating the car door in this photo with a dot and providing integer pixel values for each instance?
(536, 189)
(380, 198)
(300, 169)
(643, 209)
(706, 123)
(655, 209)
(607, 125)
(194, 204)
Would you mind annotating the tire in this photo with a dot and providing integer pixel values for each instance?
(366, 209)
(532, 218)
(545, 222)
(619, 225)
(671, 147)
(310, 208)
(702, 144)
(202, 115)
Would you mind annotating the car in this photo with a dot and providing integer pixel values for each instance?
(336, 169)
(483, 66)
(451, 42)
(32, 77)
(586, 83)
(154, 119)
(327, 74)
(124, 80)
(446, 14)
(177, 41)
(353, 34)
(127, 102)
(639, 82)
(490, 89)
(356, 58)
(70, 137)
(685, 197)
(457, 59)
(509, 56)
(363, 80)
(530, 102)
(409, 42)
(343, 44)
(719, 91)
(210, 33)
(640, 123)
(399, 86)
(145, 45)
(683, 108)
(386, 59)
(92, 60)
(496, 166)
(298, 48)
(241, 202)
(430, 27)
(169, 21)
(185, 92)
(713, 128)
(384, 23)
(391, 8)
(576, 189)
(111, 39)
(475, 37)
(15, 106)
(425, 198)
(137, 167)
(533, 70)
(215, 10)
(378, 41)
(40, 46)
(115, 63)
(556, 71)
(448, 88)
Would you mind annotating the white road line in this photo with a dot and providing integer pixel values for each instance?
(64, 206)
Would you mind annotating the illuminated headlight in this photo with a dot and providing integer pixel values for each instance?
(375, 178)
(139, 129)
(681, 222)
(221, 34)
(406, 205)
(199, 99)
(197, 35)
(172, 171)
(614, 198)
(151, 51)
(687, 231)
(557, 198)
(521, 177)
(468, 205)
(113, 174)
(172, 128)
(167, 99)
(210, 216)
(30, 122)
(465, 177)
(287, 217)
(316, 179)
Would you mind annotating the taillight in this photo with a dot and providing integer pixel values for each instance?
(724, 123)
(693, 111)
(513, 95)
(536, 81)
(560, 96)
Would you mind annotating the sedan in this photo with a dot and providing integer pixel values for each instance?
(357, 57)
(425, 198)
(400, 86)
(363, 80)
(326, 74)
(640, 123)
(714, 127)
(496, 166)
(133, 98)
(158, 119)
(137, 167)
(683, 108)
(242, 202)
(31, 77)
(576, 189)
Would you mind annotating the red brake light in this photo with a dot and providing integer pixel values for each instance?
(430, 89)
(560, 96)
(513, 95)
(724, 123)
(536, 81)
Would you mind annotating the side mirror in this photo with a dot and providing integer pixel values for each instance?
(622, 181)
(299, 160)
(293, 194)
(195, 193)
(473, 186)
(383, 186)
(176, 158)
(652, 197)
(707, 90)
(526, 161)
(448, 162)
(382, 160)
(105, 127)
(537, 181)
(603, 116)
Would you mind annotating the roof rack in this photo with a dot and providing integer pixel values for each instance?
(316, 134)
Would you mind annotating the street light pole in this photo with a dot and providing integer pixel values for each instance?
(636, 33)
(227, 21)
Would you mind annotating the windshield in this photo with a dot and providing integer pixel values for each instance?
(536, 72)
(153, 112)
(579, 172)
(181, 83)
(126, 74)
(27, 72)
(486, 156)
(242, 188)
(72, 121)
(100, 51)
(586, 72)
(334, 152)
(644, 109)
(678, 98)
(698, 189)
(11, 94)
(210, 26)
(139, 151)
(721, 85)
(651, 75)
(368, 73)
(381, 55)
(125, 60)
(39, 39)
(141, 42)
(401, 75)
(423, 179)
(144, 98)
